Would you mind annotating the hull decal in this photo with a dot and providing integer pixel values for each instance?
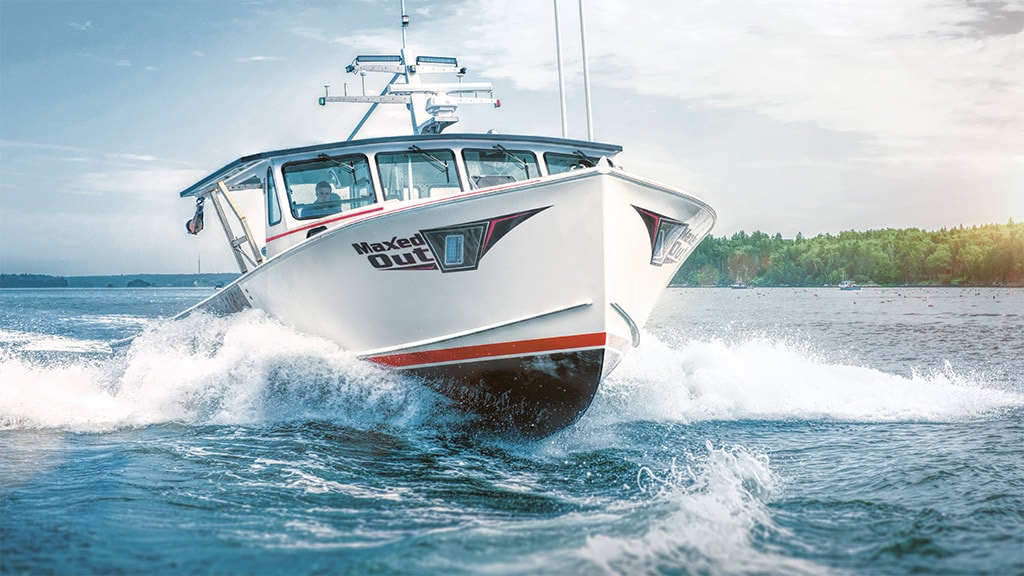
(454, 248)
(487, 351)
(669, 237)
(345, 216)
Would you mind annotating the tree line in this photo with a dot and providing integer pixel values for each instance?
(119, 281)
(32, 281)
(992, 254)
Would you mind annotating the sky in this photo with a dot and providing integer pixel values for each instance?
(787, 116)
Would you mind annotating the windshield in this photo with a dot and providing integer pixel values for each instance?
(328, 185)
(417, 174)
(498, 165)
(558, 163)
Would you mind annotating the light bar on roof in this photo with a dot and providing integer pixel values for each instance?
(366, 59)
(443, 60)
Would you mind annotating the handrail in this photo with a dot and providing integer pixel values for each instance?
(241, 257)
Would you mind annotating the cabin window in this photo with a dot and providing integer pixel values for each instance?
(417, 173)
(273, 206)
(498, 165)
(558, 163)
(328, 185)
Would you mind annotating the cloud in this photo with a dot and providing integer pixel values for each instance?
(154, 182)
(133, 157)
(259, 59)
(18, 144)
(906, 75)
(78, 26)
(123, 63)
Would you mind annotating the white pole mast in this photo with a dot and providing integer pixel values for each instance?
(408, 77)
(586, 75)
(405, 24)
(561, 76)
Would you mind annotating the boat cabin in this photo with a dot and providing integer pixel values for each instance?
(311, 189)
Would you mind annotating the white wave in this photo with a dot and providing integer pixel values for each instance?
(248, 368)
(706, 513)
(35, 342)
(770, 378)
(62, 344)
(243, 369)
(14, 336)
(115, 320)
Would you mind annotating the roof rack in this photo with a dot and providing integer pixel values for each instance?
(432, 105)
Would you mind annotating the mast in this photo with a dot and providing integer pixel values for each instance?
(405, 25)
(561, 76)
(586, 75)
(415, 101)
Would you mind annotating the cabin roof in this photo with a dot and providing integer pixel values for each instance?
(245, 163)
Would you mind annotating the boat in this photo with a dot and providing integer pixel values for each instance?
(848, 285)
(510, 273)
(739, 285)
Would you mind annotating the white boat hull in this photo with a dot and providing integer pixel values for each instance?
(520, 319)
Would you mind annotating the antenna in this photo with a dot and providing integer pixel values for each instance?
(586, 75)
(405, 25)
(561, 76)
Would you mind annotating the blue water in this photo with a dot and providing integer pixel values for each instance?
(782, 431)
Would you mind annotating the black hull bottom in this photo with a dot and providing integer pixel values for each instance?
(530, 396)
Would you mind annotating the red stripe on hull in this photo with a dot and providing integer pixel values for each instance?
(482, 351)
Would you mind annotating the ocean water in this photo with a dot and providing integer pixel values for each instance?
(776, 431)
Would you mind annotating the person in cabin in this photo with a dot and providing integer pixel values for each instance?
(327, 202)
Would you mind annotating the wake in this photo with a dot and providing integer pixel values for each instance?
(770, 378)
(248, 369)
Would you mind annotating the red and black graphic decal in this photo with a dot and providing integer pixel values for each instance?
(460, 247)
(450, 248)
(668, 237)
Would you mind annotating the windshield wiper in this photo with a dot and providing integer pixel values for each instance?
(351, 168)
(441, 165)
(515, 160)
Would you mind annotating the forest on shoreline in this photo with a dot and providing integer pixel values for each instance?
(116, 281)
(989, 255)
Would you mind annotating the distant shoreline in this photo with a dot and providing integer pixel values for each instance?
(210, 280)
(214, 280)
(866, 288)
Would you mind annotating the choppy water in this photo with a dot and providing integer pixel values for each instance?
(780, 431)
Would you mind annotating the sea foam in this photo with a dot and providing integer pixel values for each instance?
(708, 512)
(243, 369)
(251, 369)
(772, 378)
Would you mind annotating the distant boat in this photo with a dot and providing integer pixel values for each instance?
(848, 285)
(739, 285)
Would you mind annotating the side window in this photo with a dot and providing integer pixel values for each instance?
(498, 166)
(273, 206)
(558, 163)
(328, 185)
(417, 173)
